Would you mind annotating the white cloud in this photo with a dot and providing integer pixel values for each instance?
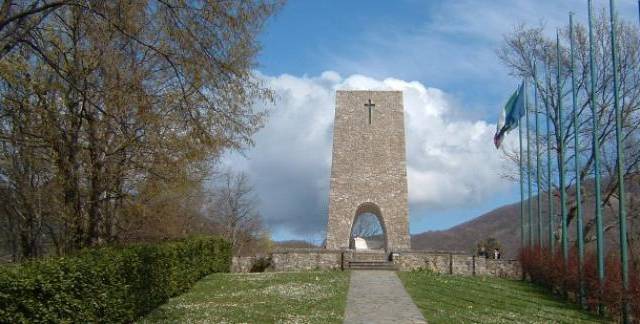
(451, 162)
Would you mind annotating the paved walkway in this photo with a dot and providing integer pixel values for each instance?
(377, 296)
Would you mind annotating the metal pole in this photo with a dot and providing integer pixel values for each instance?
(550, 215)
(550, 212)
(576, 142)
(535, 99)
(560, 138)
(595, 146)
(522, 241)
(529, 216)
(622, 219)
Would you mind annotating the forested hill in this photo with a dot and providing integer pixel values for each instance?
(503, 224)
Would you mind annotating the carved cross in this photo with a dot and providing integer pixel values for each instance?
(370, 106)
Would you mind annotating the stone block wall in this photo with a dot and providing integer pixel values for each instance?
(306, 259)
(322, 259)
(462, 264)
(456, 264)
(504, 268)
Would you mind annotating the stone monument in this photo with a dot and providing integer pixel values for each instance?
(368, 170)
(369, 176)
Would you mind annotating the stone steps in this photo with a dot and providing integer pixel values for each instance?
(371, 265)
(370, 256)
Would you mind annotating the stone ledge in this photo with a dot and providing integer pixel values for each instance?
(457, 264)
(430, 252)
(305, 250)
(304, 259)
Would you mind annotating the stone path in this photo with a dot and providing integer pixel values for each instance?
(377, 296)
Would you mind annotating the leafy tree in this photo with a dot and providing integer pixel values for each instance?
(112, 109)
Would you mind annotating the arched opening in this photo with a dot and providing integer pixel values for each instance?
(368, 230)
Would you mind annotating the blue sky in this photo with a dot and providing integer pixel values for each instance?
(309, 37)
(441, 52)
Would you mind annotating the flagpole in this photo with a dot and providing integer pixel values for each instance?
(595, 146)
(576, 143)
(560, 137)
(550, 211)
(526, 109)
(620, 167)
(535, 100)
(549, 183)
(521, 186)
(547, 115)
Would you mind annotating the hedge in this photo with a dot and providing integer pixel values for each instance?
(107, 284)
(547, 269)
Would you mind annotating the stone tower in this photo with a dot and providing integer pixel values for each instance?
(368, 170)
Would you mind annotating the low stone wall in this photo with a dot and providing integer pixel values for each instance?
(306, 259)
(457, 264)
(296, 260)
(504, 268)
(439, 262)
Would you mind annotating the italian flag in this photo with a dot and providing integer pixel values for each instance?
(510, 115)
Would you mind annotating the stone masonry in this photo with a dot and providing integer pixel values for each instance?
(457, 264)
(444, 263)
(368, 170)
(306, 259)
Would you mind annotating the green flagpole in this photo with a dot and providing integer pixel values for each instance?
(576, 143)
(549, 183)
(622, 219)
(535, 100)
(530, 222)
(560, 136)
(521, 186)
(595, 146)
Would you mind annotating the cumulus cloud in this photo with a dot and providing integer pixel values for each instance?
(451, 162)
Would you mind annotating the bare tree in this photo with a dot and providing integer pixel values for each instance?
(19, 18)
(234, 208)
(527, 48)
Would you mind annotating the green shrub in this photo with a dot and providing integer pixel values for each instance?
(107, 284)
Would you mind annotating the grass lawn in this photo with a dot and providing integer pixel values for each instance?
(453, 299)
(303, 297)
